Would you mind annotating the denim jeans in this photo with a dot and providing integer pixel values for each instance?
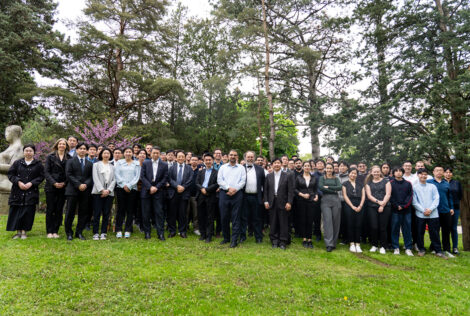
(403, 220)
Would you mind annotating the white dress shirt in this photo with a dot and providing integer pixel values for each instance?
(277, 177)
(155, 168)
(251, 184)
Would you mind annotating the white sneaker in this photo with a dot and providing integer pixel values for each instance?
(103, 237)
(23, 236)
(127, 234)
(396, 251)
(373, 249)
(197, 232)
(415, 247)
(448, 254)
(433, 252)
(409, 253)
(96, 237)
(352, 248)
(382, 250)
(119, 235)
(358, 249)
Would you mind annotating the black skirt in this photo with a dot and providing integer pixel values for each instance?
(21, 217)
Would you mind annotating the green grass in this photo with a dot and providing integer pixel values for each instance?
(42, 276)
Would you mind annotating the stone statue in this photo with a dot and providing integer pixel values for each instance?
(11, 154)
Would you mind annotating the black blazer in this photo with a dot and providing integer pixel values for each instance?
(55, 171)
(285, 190)
(75, 176)
(146, 176)
(186, 181)
(260, 177)
(301, 187)
(211, 186)
(20, 171)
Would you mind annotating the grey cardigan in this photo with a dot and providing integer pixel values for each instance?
(99, 182)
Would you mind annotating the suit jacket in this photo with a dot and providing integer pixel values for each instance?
(301, 187)
(285, 190)
(260, 177)
(75, 176)
(55, 171)
(212, 186)
(186, 181)
(99, 182)
(146, 176)
(20, 171)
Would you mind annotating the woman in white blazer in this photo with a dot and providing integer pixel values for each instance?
(103, 192)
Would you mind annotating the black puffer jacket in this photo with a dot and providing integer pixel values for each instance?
(20, 171)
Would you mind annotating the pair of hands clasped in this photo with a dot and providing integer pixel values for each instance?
(307, 196)
(23, 186)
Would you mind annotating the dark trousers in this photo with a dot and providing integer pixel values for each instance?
(152, 208)
(138, 209)
(401, 219)
(218, 221)
(343, 227)
(55, 201)
(82, 199)
(101, 208)
(433, 226)
(304, 215)
(205, 215)
(230, 211)
(317, 218)
(455, 233)
(354, 222)
(177, 212)
(250, 214)
(279, 224)
(125, 205)
(378, 225)
(445, 220)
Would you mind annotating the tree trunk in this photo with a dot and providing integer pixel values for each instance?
(266, 86)
(258, 115)
(315, 141)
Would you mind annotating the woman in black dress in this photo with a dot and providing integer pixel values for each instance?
(26, 174)
(55, 186)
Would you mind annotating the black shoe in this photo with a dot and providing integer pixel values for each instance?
(282, 246)
(223, 242)
(202, 238)
(259, 241)
(233, 244)
(81, 237)
(250, 234)
(69, 237)
(309, 244)
(183, 235)
(161, 237)
(171, 235)
(208, 239)
(242, 239)
(147, 235)
(329, 249)
(318, 238)
(304, 243)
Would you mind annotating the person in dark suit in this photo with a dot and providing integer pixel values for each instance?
(79, 173)
(154, 175)
(252, 198)
(180, 177)
(55, 186)
(206, 183)
(306, 188)
(278, 198)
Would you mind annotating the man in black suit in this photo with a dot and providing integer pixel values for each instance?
(180, 178)
(278, 197)
(79, 173)
(154, 175)
(252, 198)
(206, 183)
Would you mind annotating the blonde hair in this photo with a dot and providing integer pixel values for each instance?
(55, 148)
(370, 176)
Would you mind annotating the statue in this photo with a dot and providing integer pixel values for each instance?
(11, 154)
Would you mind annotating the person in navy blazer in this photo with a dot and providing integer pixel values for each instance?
(154, 175)
(206, 198)
(179, 193)
(252, 198)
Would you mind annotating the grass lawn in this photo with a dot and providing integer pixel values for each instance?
(43, 276)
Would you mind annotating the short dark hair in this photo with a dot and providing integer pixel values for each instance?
(234, 150)
(82, 144)
(138, 145)
(117, 148)
(438, 166)
(30, 146)
(180, 151)
(111, 143)
(285, 155)
(259, 156)
(292, 160)
(320, 160)
(342, 162)
(156, 148)
(422, 170)
(397, 169)
(92, 145)
(126, 148)
(72, 136)
(142, 150)
(448, 169)
(298, 159)
(209, 155)
(276, 159)
(100, 156)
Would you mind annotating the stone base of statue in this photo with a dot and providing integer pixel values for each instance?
(4, 208)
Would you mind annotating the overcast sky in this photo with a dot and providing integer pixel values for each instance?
(70, 10)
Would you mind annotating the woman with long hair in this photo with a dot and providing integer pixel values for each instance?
(354, 198)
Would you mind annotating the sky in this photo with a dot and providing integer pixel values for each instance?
(71, 10)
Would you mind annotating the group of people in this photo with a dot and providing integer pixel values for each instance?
(242, 196)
